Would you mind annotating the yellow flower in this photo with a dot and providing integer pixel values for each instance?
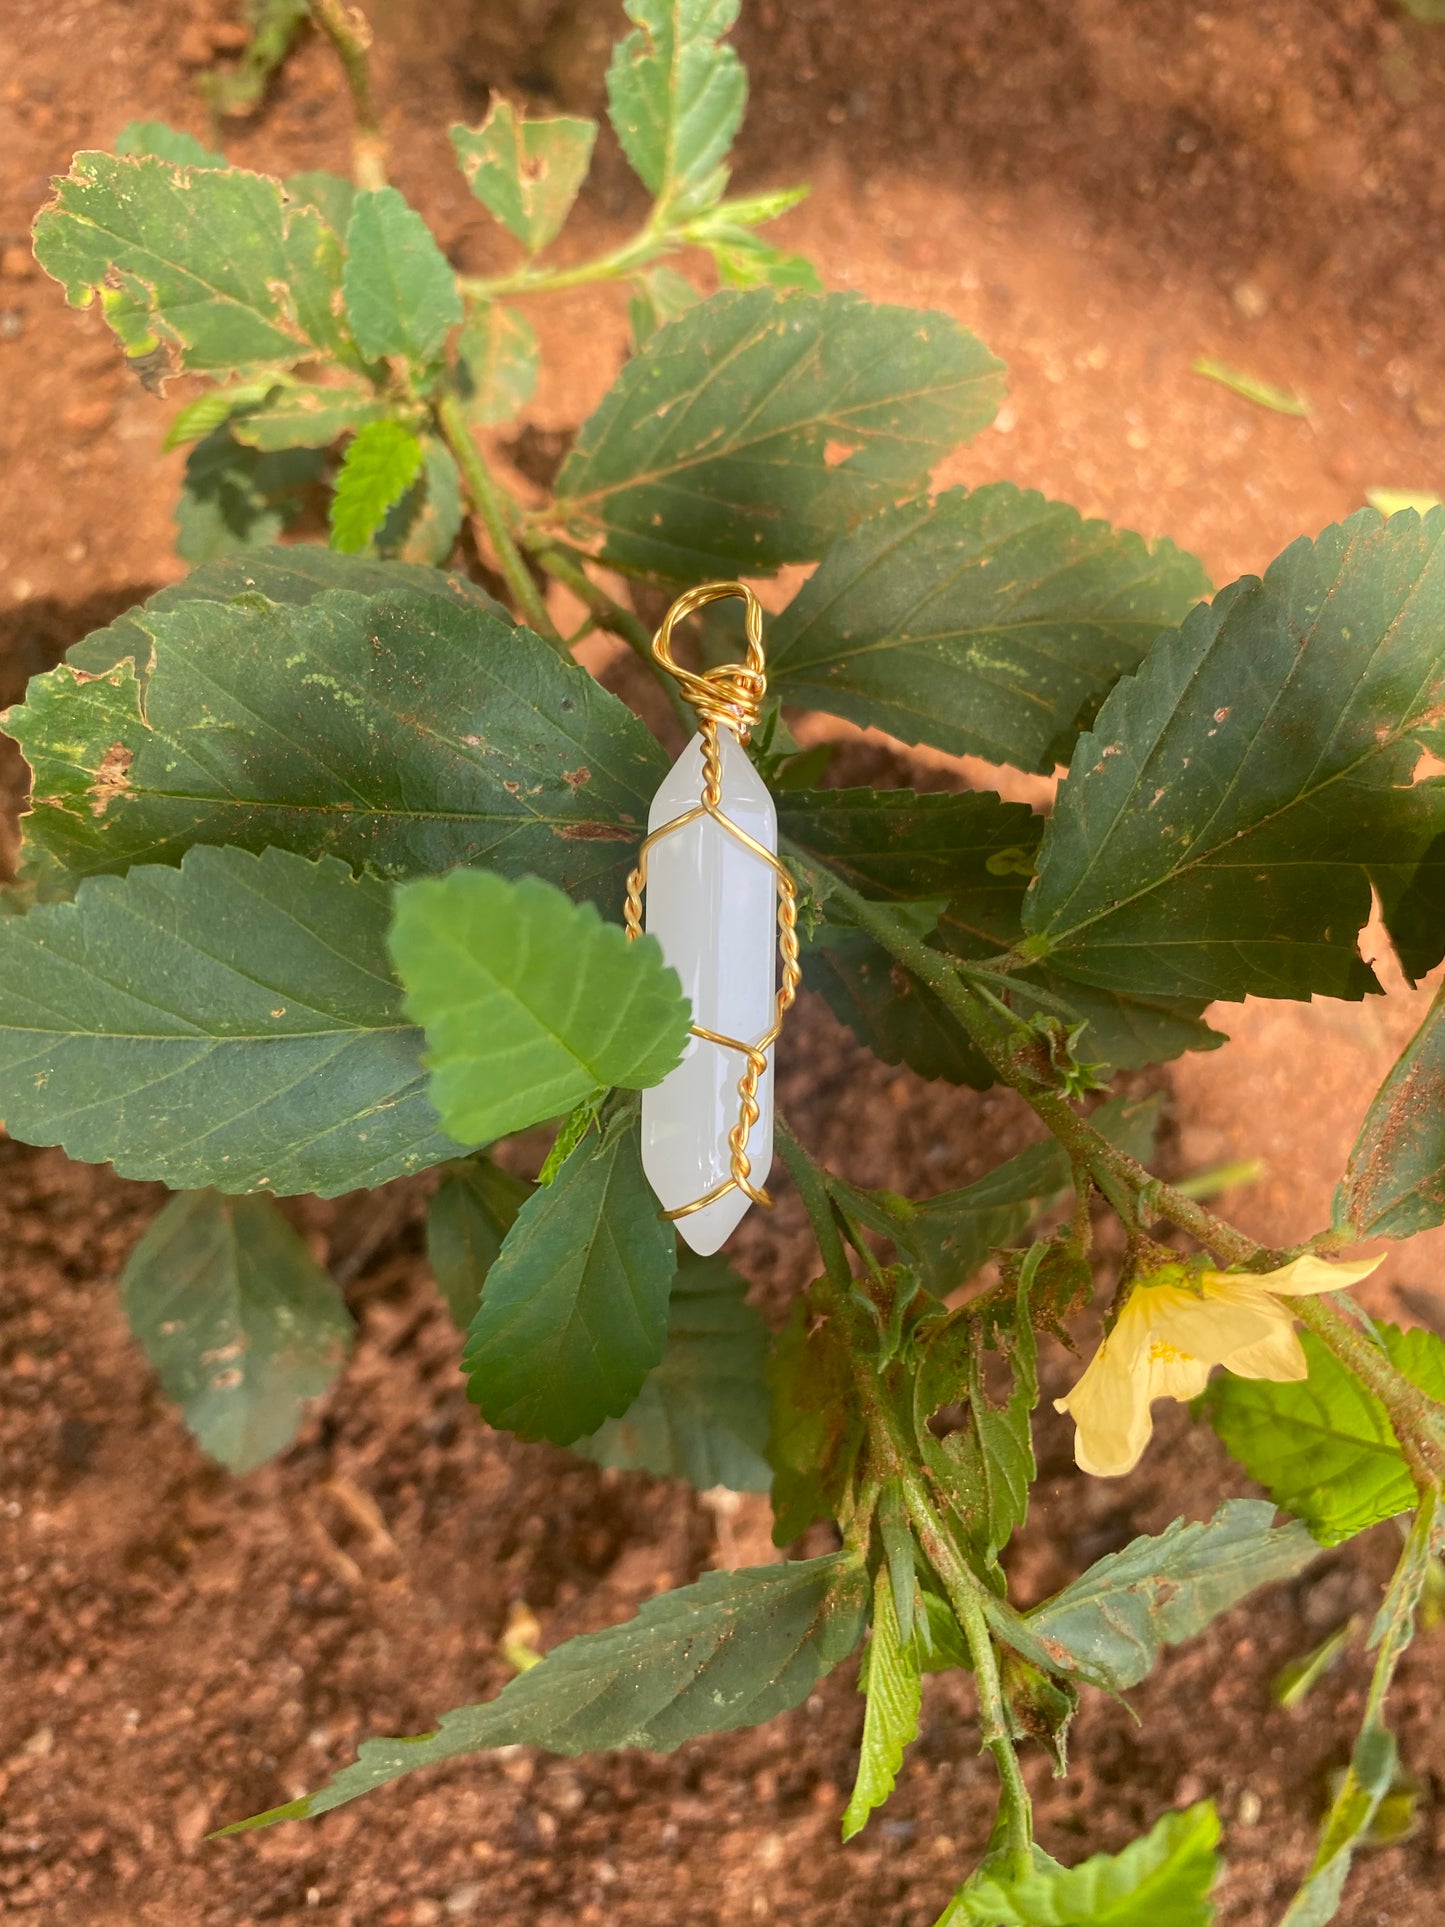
(1173, 1330)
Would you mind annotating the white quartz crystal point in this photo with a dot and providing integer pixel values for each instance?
(712, 905)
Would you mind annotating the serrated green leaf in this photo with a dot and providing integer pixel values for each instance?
(236, 498)
(675, 97)
(703, 1413)
(303, 415)
(817, 1428)
(659, 296)
(1113, 1622)
(989, 622)
(332, 195)
(475, 1206)
(758, 428)
(401, 294)
(1161, 1880)
(242, 1325)
(403, 731)
(529, 1001)
(1394, 1184)
(497, 361)
(1221, 828)
(526, 172)
(201, 269)
(895, 1699)
(381, 463)
(1322, 1447)
(733, 1650)
(166, 143)
(900, 1019)
(574, 1312)
(233, 1022)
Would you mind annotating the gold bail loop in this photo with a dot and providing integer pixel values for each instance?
(732, 693)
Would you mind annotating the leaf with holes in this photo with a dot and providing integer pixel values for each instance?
(1222, 826)
(574, 1311)
(401, 294)
(529, 1002)
(733, 1650)
(758, 428)
(1395, 1183)
(526, 172)
(988, 622)
(497, 360)
(675, 97)
(242, 1325)
(703, 1413)
(233, 1022)
(380, 465)
(201, 270)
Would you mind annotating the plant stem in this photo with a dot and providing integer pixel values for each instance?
(490, 504)
(349, 32)
(644, 246)
(609, 614)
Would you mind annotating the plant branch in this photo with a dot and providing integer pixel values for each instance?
(490, 504)
(349, 32)
(616, 265)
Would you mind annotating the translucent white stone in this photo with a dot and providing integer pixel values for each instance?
(712, 905)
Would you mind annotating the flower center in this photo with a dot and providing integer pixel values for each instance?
(1161, 1352)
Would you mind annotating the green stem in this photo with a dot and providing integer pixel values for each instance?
(644, 246)
(490, 504)
(608, 613)
(349, 32)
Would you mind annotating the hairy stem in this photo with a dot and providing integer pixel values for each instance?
(349, 32)
(490, 505)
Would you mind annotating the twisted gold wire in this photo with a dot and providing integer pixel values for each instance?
(728, 696)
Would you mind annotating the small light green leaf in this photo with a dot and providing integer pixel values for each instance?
(380, 465)
(242, 1325)
(1322, 1447)
(1162, 1880)
(167, 143)
(529, 1001)
(675, 97)
(1393, 501)
(1252, 388)
(332, 195)
(989, 622)
(401, 294)
(497, 362)
(1394, 1185)
(659, 296)
(526, 172)
(574, 1312)
(895, 1698)
(1223, 824)
(1113, 1622)
(233, 1023)
(236, 498)
(758, 428)
(215, 407)
(702, 1415)
(475, 1206)
(733, 1650)
(817, 1428)
(404, 731)
(206, 270)
(303, 415)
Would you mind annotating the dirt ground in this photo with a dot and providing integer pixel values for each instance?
(1104, 191)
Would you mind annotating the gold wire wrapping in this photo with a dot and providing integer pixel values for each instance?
(730, 696)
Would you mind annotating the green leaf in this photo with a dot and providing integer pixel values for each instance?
(401, 294)
(895, 1699)
(1111, 1624)
(497, 362)
(817, 1428)
(758, 428)
(475, 1206)
(166, 143)
(230, 1023)
(1220, 829)
(900, 1019)
(743, 261)
(526, 172)
(199, 269)
(675, 97)
(1322, 1447)
(529, 1001)
(242, 1325)
(214, 408)
(574, 1313)
(1395, 1183)
(236, 498)
(424, 524)
(332, 195)
(659, 296)
(703, 1413)
(406, 732)
(1163, 1879)
(380, 465)
(733, 1650)
(988, 622)
(302, 415)
(1282, 400)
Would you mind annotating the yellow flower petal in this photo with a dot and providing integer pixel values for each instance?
(1302, 1277)
(1280, 1357)
(1110, 1410)
(1211, 1326)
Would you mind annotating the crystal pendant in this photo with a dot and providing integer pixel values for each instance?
(712, 905)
